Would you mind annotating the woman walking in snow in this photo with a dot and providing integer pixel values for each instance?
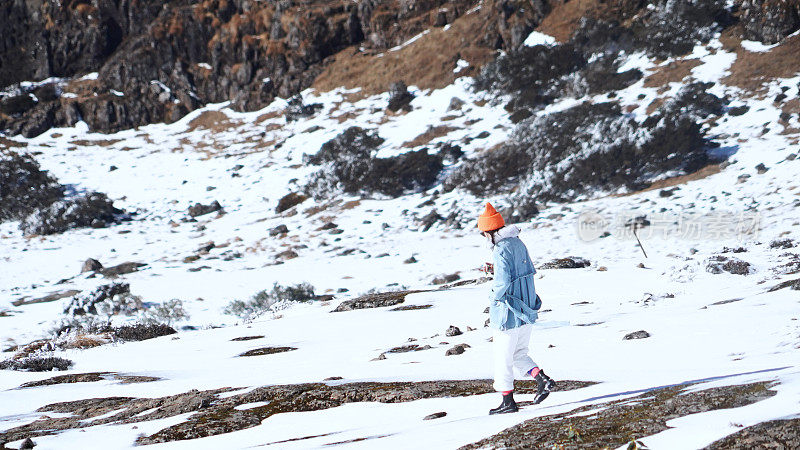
(513, 310)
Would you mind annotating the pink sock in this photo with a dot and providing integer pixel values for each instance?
(506, 392)
(535, 371)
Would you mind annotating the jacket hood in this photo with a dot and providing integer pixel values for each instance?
(506, 232)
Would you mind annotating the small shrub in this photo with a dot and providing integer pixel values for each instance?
(141, 331)
(348, 166)
(24, 187)
(168, 313)
(263, 301)
(592, 148)
(116, 296)
(90, 210)
(37, 364)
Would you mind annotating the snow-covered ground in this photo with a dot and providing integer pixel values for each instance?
(724, 327)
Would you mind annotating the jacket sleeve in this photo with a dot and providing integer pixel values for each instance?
(502, 274)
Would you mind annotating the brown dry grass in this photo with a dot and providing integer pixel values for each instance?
(215, 121)
(83, 341)
(752, 70)
(8, 143)
(99, 142)
(705, 172)
(429, 135)
(655, 104)
(563, 20)
(427, 63)
(671, 73)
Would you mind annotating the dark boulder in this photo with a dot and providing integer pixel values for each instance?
(198, 209)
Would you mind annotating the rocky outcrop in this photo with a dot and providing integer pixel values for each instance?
(156, 61)
(769, 21)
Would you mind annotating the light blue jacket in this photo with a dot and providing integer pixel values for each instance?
(513, 298)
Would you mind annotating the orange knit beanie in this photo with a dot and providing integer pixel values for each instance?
(490, 219)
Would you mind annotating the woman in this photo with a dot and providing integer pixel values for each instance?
(513, 310)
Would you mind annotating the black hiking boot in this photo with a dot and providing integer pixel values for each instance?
(543, 386)
(508, 405)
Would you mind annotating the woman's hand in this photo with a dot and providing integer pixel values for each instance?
(488, 268)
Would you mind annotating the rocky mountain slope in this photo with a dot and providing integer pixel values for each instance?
(229, 224)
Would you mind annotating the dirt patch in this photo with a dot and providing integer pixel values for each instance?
(374, 300)
(613, 424)
(776, 434)
(9, 143)
(267, 351)
(427, 63)
(752, 70)
(565, 17)
(99, 143)
(706, 171)
(671, 73)
(215, 121)
(429, 135)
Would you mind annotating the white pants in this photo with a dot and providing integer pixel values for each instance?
(510, 351)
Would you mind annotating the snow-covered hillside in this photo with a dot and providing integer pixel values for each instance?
(716, 293)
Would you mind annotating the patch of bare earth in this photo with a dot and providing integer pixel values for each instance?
(215, 121)
(671, 73)
(614, 424)
(705, 172)
(429, 135)
(427, 63)
(752, 70)
(565, 17)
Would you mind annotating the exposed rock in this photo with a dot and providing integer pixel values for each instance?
(771, 434)
(455, 104)
(408, 348)
(27, 444)
(570, 262)
(289, 200)
(200, 210)
(411, 307)
(769, 21)
(611, 424)
(374, 300)
(219, 415)
(457, 350)
(247, 338)
(122, 269)
(442, 279)
(641, 334)
(410, 260)
(47, 298)
(91, 265)
(761, 168)
(430, 219)
(286, 255)
(791, 284)
(399, 97)
(436, 415)
(296, 109)
(267, 351)
(279, 230)
(452, 331)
